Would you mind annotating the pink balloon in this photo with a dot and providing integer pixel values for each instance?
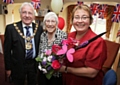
(61, 23)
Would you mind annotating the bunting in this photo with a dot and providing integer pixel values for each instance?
(94, 8)
(36, 4)
(79, 2)
(102, 10)
(118, 33)
(116, 14)
(8, 1)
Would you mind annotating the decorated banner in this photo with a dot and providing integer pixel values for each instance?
(102, 10)
(118, 33)
(94, 8)
(116, 14)
(36, 4)
(79, 2)
(8, 1)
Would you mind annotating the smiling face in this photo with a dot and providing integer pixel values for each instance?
(51, 24)
(81, 20)
(27, 14)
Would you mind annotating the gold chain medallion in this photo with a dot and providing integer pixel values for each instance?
(28, 45)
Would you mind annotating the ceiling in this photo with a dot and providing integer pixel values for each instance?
(65, 1)
(94, 0)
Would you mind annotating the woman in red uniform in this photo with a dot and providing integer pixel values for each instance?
(86, 68)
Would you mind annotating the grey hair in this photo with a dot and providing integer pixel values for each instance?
(49, 15)
(24, 4)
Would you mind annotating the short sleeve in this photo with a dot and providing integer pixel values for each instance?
(97, 54)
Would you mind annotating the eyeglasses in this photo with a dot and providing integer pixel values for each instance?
(82, 18)
(25, 13)
(50, 21)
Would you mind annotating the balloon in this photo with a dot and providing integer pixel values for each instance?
(61, 23)
(56, 5)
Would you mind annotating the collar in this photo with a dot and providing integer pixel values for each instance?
(23, 25)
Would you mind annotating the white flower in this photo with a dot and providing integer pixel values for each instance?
(41, 55)
(44, 70)
(49, 58)
(44, 59)
(39, 67)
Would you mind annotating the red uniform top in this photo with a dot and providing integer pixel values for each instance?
(93, 55)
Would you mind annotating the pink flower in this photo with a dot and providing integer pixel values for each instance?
(48, 52)
(65, 42)
(55, 65)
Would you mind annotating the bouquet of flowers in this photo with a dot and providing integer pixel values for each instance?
(51, 60)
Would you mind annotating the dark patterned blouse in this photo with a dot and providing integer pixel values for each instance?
(59, 36)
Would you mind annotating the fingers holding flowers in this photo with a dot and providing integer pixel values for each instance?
(62, 69)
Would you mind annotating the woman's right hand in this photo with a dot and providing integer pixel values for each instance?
(62, 69)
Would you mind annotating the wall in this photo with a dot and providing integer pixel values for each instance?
(16, 13)
(2, 24)
(13, 14)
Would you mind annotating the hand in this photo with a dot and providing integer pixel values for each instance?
(62, 69)
(8, 73)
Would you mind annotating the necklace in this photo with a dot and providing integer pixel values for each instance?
(28, 44)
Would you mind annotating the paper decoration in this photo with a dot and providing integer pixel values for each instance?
(116, 14)
(79, 2)
(36, 4)
(102, 10)
(8, 1)
(94, 8)
(118, 33)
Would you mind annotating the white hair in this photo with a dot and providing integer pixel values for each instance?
(49, 15)
(24, 4)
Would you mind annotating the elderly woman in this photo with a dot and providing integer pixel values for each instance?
(86, 68)
(51, 35)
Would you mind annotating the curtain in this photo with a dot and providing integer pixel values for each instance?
(69, 16)
(109, 13)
